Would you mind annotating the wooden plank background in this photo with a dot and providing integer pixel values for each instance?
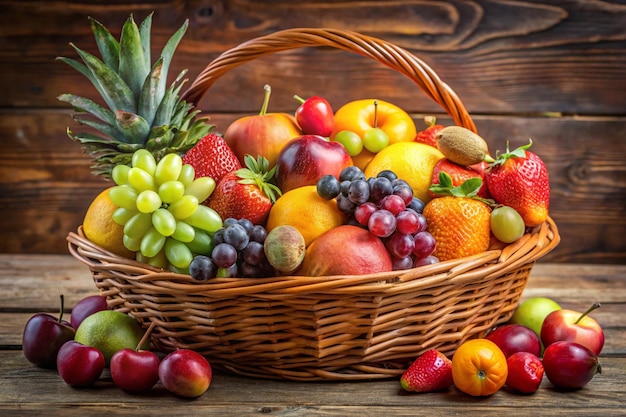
(553, 71)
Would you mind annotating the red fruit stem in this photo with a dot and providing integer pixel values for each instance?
(299, 99)
(430, 121)
(145, 336)
(589, 310)
(375, 113)
(266, 99)
(62, 306)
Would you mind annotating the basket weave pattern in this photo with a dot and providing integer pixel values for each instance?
(320, 328)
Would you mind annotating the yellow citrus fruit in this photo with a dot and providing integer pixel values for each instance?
(303, 209)
(411, 161)
(99, 227)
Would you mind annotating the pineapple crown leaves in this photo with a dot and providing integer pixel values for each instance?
(257, 173)
(468, 189)
(508, 154)
(142, 110)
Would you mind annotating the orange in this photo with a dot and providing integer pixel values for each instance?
(479, 367)
(303, 209)
(99, 227)
(461, 226)
(411, 161)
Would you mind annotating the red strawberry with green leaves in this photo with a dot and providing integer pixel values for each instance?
(519, 179)
(247, 192)
(458, 174)
(212, 157)
(431, 371)
(428, 136)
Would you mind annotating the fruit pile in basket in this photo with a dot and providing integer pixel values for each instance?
(349, 191)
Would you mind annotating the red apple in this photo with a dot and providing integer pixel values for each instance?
(345, 250)
(185, 373)
(525, 372)
(135, 370)
(570, 365)
(512, 338)
(79, 365)
(43, 337)
(86, 307)
(572, 326)
(306, 159)
(264, 134)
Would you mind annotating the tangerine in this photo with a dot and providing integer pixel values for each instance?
(303, 209)
(411, 161)
(479, 367)
(99, 227)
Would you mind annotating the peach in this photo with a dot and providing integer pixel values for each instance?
(345, 250)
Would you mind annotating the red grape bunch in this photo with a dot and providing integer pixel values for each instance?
(386, 206)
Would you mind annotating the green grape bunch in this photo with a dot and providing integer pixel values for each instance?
(159, 206)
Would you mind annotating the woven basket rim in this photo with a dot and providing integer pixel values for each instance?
(529, 248)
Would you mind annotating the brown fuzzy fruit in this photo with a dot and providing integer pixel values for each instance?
(462, 146)
(284, 248)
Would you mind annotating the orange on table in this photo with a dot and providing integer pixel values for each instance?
(305, 210)
(99, 227)
(479, 367)
(411, 161)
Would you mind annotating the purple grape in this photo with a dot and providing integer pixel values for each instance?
(400, 245)
(351, 173)
(224, 255)
(202, 268)
(400, 264)
(328, 187)
(253, 254)
(382, 223)
(258, 233)
(429, 260)
(424, 245)
(380, 188)
(345, 205)
(359, 191)
(237, 236)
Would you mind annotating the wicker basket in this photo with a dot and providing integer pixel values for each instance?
(323, 328)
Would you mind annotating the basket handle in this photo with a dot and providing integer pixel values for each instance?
(384, 52)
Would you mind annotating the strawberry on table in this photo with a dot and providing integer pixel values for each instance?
(212, 157)
(247, 192)
(519, 179)
(431, 371)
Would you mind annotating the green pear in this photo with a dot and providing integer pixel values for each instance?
(110, 331)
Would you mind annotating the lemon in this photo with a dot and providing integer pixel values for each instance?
(303, 209)
(110, 331)
(99, 227)
(411, 161)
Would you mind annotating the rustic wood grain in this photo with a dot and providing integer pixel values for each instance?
(549, 70)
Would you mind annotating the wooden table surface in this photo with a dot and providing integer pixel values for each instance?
(32, 283)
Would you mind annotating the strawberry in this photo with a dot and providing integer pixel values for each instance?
(431, 371)
(246, 192)
(460, 220)
(458, 174)
(519, 179)
(429, 135)
(212, 157)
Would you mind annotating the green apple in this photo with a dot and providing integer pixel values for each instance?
(532, 311)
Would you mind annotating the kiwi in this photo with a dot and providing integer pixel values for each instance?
(462, 146)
